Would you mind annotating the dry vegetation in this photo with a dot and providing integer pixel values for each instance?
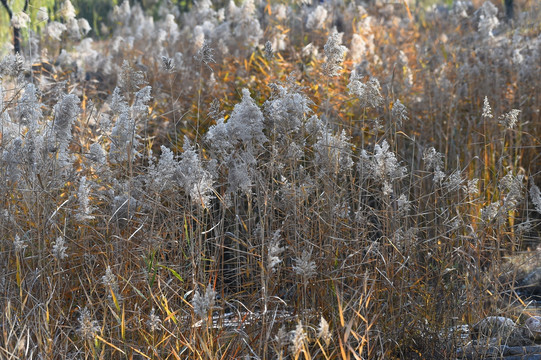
(268, 180)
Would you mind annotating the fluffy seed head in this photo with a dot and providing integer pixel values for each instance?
(88, 327)
(335, 53)
(59, 250)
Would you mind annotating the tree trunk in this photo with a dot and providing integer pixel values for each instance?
(16, 40)
(509, 9)
(16, 31)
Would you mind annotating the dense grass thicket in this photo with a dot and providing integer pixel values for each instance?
(268, 180)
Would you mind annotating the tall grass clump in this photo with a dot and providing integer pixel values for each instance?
(268, 180)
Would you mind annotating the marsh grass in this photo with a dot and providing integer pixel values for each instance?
(291, 206)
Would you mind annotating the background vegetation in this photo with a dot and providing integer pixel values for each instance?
(267, 180)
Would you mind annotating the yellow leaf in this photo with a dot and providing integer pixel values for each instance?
(123, 324)
(115, 300)
(18, 273)
(108, 343)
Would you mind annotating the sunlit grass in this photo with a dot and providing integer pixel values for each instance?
(227, 199)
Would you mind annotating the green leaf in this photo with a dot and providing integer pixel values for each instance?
(175, 274)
